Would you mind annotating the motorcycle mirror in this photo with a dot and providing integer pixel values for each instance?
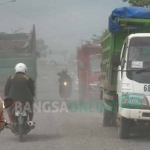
(7, 102)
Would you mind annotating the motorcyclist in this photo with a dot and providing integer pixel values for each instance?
(64, 76)
(20, 87)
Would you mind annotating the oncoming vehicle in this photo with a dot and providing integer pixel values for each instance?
(65, 89)
(125, 73)
(88, 70)
(94, 75)
(65, 84)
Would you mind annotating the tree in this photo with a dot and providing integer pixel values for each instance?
(141, 3)
(88, 42)
(41, 47)
(96, 39)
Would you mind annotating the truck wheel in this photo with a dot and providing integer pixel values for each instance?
(107, 118)
(124, 128)
(114, 115)
(114, 123)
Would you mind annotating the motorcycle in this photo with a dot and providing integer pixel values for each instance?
(66, 89)
(21, 124)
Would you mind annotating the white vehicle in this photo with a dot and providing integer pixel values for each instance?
(133, 80)
(125, 80)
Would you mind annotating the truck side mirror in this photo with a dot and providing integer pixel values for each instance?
(116, 59)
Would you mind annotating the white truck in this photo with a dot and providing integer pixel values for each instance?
(125, 77)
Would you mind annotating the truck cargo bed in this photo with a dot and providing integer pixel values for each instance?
(112, 43)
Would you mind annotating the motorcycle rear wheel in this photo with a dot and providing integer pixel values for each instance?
(20, 132)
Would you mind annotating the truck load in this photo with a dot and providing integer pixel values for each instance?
(88, 57)
(117, 18)
(17, 48)
(125, 72)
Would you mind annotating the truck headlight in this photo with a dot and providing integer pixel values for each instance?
(134, 101)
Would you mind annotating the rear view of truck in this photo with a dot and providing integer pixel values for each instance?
(17, 48)
(123, 77)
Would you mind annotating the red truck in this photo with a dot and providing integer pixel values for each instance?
(89, 58)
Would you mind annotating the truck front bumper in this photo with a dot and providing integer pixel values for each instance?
(139, 114)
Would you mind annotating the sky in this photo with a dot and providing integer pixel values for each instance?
(63, 24)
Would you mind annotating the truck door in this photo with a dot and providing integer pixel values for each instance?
(121, 67)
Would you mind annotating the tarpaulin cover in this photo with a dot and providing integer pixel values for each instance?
(126, 12)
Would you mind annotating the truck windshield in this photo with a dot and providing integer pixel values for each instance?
(141, 77)
(95, 64)
(139, 49)
(139, 60)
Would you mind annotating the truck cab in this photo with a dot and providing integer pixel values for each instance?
(133, 78)
(125, 70)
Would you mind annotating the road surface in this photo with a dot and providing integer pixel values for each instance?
(68, 131)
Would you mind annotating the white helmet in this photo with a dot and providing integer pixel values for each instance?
(21, 68)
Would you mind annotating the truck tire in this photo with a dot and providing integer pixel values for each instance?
(114, 123)
(124, 128)
(114, 115)
(107, 118)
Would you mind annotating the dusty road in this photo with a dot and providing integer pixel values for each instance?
(68, 131)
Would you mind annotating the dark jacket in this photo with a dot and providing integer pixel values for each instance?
(20, 87)
(64, 76)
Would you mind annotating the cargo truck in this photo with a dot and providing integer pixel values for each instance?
(94, 76)
(125, 75)
(17, 48)
(88, 57)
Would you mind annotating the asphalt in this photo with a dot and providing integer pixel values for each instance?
(72, 130)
